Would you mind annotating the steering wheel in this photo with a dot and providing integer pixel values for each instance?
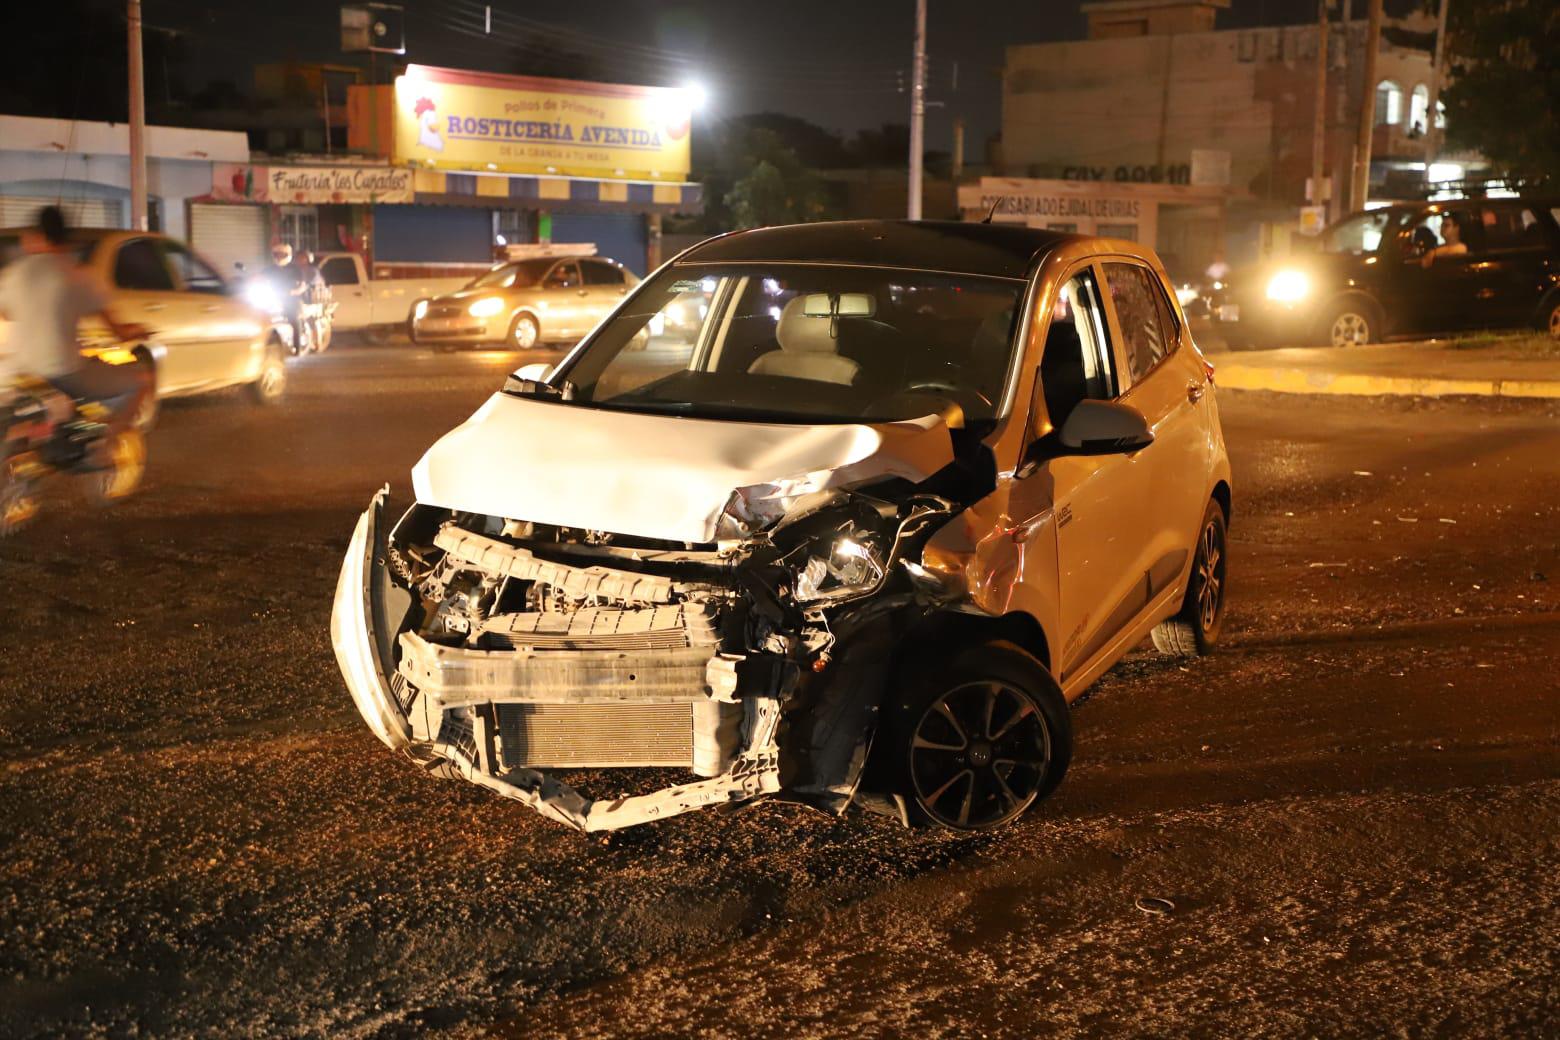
(948, 389)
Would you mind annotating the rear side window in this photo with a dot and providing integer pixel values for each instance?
(1511, 227)
(599, 273)
(140, 266)
(339, 270)
(1144, 316)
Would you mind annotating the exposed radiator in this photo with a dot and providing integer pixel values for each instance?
(603, 735)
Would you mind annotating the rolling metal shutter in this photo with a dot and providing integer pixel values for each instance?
(432, 234)
(231, 234)
(22, 211)
(620, 236)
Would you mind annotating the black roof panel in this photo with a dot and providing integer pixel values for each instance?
(997, 250)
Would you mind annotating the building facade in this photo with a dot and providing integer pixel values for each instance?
(84, 168)
(1158, 94)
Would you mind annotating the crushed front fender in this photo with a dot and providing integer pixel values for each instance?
(361, 627)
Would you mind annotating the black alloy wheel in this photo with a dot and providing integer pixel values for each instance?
(1194, 629)
(984, 740)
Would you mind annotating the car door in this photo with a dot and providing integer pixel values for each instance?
(354, 306)
(1516, 262)
(565, 295)
(1165, 380)
(220, 328)
(605, 287)
(1452, 290)
(1094, 502)
(146, 293)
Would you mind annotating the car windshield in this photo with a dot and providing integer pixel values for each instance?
(1357, 235)
(803, 343)
(521, 275)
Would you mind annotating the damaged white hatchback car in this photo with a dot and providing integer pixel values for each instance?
(855, 535)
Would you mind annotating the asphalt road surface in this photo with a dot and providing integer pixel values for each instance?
(1354, 807)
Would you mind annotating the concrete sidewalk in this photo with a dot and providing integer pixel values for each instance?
(1434, 369)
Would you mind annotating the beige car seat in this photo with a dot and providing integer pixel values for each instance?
(807, 351)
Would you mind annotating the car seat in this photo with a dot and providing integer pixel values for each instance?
(807, 351)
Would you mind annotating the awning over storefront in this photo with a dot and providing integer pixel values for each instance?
(576, 193)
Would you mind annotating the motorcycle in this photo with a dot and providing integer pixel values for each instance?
(33, 448)
(312, 333)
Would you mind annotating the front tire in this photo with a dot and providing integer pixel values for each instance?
(271, 385)
(524, 332)
(1194, 629)
(1351, 323)
(981, 739)
(126, 456)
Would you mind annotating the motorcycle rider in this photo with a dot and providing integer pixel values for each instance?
(290, 282)
(45, 295)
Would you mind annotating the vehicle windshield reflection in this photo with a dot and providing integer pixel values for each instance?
(804, 343)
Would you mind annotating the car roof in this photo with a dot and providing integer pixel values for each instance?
(995, 250)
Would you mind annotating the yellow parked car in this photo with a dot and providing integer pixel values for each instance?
(203, 336)
(525, 302)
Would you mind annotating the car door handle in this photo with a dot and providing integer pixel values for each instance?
(211, 308)
(156, 306)
(1195, 391)
(581, 292)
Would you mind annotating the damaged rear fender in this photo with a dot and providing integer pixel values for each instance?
(367, 613)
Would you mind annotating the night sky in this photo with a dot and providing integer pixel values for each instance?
(839, 63)
(843, 64)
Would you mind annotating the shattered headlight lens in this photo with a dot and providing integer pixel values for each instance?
(852, 567)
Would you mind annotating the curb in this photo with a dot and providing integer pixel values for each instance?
(1310, 381)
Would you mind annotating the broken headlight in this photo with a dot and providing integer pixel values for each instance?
(853, 566)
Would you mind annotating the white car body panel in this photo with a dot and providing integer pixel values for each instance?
(652, 476)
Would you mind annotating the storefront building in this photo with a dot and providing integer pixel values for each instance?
(510, 160)
(84, 168)
(1184, 223)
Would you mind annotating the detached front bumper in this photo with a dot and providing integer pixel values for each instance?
(480, 711)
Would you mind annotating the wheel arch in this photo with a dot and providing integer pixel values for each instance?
(932, 637)
(1223, 496)
(1357, 296)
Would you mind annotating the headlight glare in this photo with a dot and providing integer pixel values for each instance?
(419, 310)
(486, 307)
(1288, 287)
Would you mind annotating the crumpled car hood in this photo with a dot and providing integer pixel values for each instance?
(652, 476)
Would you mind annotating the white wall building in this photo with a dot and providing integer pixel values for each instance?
(85, 168)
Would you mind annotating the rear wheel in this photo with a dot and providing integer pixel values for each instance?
(981, 739)
(1549, 317)
(126, 458)
(1194, 629)
(524, 332)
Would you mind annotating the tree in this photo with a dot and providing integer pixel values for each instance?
(777, 188)
(1503, 98)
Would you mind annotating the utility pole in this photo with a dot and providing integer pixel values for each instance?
(137, 122)
(958, 147)
(1432, 128)
(918, 110)
(1359, 187)
(1319, 127)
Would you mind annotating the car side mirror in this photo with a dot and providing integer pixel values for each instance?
(536, 373)
(1105, 428)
